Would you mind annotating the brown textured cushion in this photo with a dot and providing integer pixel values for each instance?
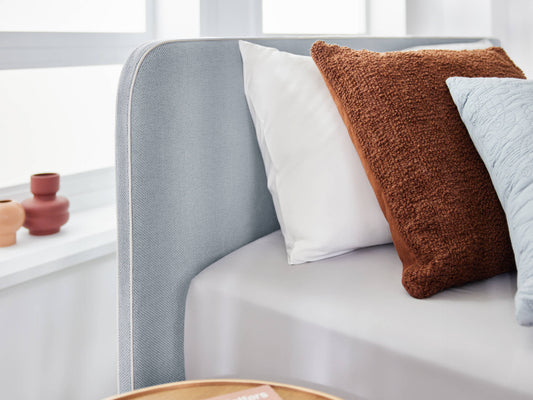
(446, 221)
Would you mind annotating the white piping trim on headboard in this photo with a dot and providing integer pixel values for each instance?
(130, 203)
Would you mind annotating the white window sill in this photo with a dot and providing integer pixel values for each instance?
(90, 232)
(87, 235)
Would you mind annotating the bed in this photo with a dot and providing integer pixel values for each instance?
(205, 290)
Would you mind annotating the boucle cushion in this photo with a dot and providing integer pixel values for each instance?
(498, 114)
(445, 218)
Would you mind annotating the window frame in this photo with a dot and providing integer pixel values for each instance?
(20, 50)
(23, 50)
(246, 18)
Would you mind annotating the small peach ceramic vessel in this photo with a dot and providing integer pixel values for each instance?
(45, 211)
(11, 219)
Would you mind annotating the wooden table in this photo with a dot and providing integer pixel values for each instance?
(204, 389)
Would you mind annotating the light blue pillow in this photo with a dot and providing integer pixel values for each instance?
(498, 113)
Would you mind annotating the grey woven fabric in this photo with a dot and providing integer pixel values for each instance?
(191, 185)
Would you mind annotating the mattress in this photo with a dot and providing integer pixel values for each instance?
(346, 326)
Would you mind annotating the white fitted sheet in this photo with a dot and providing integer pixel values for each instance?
(346, 325)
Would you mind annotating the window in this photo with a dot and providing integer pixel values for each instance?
(56, 119)
(60, 62)
(314, 17)
(73, 16)
(255, 18)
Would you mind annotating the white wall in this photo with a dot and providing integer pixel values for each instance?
(177, 19)
(386, 17)
(230, 18)
(511, 21)
(449, 17)
(58, 336)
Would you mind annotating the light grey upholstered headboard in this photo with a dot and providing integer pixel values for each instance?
(191, 185)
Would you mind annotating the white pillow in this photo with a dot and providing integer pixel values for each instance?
(480, 44)
(324, 202)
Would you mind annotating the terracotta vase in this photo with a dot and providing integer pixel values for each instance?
(11, 219)
(45, 212)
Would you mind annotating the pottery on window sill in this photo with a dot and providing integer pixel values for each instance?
(45, 211)
(11, 219)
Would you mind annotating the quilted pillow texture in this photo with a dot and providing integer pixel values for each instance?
(498, 114)
(446, 220)
(323, 201)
